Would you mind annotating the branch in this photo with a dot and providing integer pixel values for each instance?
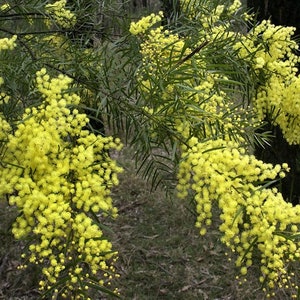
(195, 51)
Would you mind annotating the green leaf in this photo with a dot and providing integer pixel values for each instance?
(252, 244)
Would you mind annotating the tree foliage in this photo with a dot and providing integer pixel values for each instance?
(208, 86)
(190, 89)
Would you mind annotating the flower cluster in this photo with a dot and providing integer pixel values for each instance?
(157, 45)
(208, 14)
(8, 43)
(270, 51)
(254, 218)
(64, 17)
(59, 176)
(213, 21)
(234, 7)
(270, 47)
(145, 23)
(283, 100)
(202, 96)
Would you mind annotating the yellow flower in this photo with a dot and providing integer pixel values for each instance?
(52, 170)
(8, 43)
(64, 17)
(145, 23)
(241, 198)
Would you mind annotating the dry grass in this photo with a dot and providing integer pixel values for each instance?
(162, 255)
(14, 284)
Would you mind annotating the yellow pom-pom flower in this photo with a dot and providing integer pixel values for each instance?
(61, 176)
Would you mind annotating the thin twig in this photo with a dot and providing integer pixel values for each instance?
(195, 51)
